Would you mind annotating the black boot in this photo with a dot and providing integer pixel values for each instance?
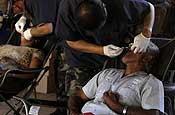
(62, 106)
(60, 111)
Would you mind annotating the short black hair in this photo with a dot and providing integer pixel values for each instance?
(91, 14)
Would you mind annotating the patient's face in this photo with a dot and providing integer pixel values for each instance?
(131, 57)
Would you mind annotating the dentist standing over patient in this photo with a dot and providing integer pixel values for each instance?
(94, 30)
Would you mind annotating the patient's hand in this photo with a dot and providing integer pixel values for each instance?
(25, 42)
(112, 101)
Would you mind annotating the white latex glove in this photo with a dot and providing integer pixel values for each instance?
(112, 51)
(140, 43)
(27, 34)
(19, 26)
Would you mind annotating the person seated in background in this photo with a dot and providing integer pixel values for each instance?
(19, 57)
(132, 91)
(23, 56)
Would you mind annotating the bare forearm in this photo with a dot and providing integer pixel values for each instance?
(149, 22)
(86, 47)
(42, 30)
(35, 62)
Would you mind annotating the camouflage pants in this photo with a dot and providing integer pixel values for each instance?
(69, 78)
(78, 77)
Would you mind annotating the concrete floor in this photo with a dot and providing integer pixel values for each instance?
(43, 110)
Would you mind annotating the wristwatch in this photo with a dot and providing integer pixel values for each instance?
(125, 110)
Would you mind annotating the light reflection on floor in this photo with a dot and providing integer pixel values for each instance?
(43, 110)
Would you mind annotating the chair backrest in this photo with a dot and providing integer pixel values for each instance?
(49, 45)
(165, 69)
(166, 59)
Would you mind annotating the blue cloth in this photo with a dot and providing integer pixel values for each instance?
(121, 15)
(44, 11)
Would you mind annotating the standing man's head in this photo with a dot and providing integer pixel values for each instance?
(91, 14)
(143, 60)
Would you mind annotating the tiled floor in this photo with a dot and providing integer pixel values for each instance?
(43, 110)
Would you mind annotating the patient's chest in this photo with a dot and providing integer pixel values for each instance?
(128, 89)
(129, 92)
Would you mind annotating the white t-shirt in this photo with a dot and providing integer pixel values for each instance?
(137, 90)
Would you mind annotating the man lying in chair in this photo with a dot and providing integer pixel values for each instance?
(23, 56)
(129, 92)
(19, 57)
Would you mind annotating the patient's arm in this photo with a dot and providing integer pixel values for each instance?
(76, 102)
(35, 62)
(42, 29)
(36, 59)
(112, 101)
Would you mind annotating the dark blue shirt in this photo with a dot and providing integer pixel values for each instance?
(121, 15)
(42, 11)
